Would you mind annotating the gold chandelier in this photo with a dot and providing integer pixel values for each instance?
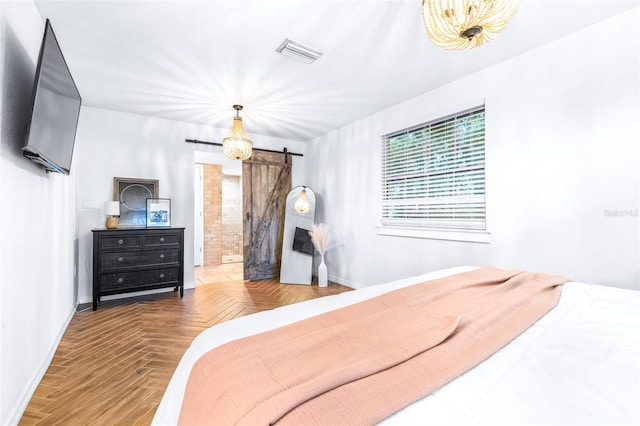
(237, 146)
(462, 24)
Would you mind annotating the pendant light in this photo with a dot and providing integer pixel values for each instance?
(237, 146)
(302, 204)
(463, 24)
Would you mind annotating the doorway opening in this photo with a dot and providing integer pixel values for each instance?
(218, 229)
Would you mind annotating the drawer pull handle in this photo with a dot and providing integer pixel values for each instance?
(120, 241)
(162, 256)
(161, 275)
(162, 239)
(120, 280)
(120, 259)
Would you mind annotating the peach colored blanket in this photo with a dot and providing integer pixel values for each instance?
(361, 363)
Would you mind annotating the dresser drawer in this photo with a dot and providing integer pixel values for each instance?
(122, 280)
(162, 239)
(123, 259)
(109, 242)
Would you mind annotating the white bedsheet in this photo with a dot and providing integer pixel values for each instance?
(578, 365)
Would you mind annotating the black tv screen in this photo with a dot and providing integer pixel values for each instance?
(51, 131)
(302, 241)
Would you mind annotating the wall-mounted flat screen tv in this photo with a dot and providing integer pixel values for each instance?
(302, 241)
(51, 131)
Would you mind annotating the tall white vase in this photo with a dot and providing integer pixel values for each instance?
(322, 273)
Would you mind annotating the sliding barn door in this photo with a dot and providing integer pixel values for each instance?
(266, 180)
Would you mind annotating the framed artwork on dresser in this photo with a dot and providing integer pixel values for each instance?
(158, 212)
(132, 193)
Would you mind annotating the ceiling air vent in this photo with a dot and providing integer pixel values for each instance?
(298, 51)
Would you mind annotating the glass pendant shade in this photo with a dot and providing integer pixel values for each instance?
(237, 146)
(302, 204)
(463, 24)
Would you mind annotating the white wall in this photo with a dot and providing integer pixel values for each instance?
(47, 229)
(119, 144)
(562, 137)
(37, 291)
(562, 134)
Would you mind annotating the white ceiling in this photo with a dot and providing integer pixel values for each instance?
(192, 60)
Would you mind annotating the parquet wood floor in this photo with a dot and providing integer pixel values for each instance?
(113, 365)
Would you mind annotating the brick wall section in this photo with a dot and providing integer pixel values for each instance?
(212, 201)
(231, 216)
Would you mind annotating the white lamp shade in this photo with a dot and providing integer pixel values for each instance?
(112, 208)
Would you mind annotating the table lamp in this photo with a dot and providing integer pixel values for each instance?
(112, 211)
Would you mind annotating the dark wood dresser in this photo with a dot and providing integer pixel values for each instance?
(136, 259)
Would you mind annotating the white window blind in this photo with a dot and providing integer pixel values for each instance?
(433, 174)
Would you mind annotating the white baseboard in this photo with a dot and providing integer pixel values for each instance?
(346, 283)
(35, 380)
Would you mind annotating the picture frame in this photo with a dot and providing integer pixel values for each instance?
(132, 193)
(158, 212)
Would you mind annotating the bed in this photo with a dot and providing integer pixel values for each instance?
(579, 364)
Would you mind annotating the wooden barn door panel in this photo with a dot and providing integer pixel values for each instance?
(266, 180)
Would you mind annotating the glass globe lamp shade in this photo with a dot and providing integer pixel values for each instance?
(302, 204)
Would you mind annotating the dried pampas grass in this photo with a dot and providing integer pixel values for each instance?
(320, 237)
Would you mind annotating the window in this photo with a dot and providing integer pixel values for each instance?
(433, 175)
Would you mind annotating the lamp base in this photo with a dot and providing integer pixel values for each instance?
(112, 223)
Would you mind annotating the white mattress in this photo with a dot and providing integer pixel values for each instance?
(579, 365)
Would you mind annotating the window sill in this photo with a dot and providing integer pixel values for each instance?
(469, 236)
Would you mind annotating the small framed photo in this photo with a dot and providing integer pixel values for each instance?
(158, 212)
